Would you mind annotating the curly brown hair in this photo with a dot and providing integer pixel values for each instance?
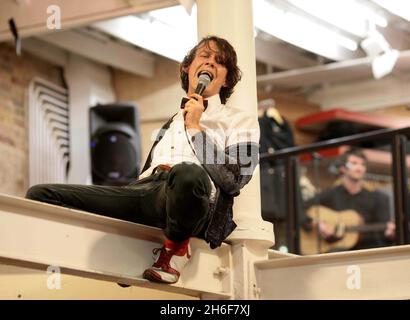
(227, 57)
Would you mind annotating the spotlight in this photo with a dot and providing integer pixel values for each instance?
(384, 57)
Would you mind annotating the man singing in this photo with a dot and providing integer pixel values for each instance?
(200, 160)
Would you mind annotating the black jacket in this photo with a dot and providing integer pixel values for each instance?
(228, 178)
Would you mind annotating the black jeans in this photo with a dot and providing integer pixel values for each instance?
(176, 200)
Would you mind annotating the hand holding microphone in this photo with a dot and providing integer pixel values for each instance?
(193, 111)
(194, 107)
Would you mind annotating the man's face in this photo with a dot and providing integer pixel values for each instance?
(355, 168)
(207, 59)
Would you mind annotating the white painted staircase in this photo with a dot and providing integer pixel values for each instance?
(85, 246)
(382, 273)
(36, 236)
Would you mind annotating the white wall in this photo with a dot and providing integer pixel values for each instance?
(155, 97)
(88, 83)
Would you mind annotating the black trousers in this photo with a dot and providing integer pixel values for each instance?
(176, 200)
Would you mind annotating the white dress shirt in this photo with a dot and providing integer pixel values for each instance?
(225, 125)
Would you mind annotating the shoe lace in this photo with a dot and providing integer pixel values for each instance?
(164, 257)
(155, 252)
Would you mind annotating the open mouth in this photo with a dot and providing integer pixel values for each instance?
(211, 75)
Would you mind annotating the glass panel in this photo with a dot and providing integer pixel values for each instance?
(348, 200)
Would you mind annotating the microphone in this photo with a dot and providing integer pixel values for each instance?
(348, 166)
(204, 79)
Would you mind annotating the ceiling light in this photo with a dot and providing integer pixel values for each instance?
(384, 57)
(375, 44)
(384, 64)
(159, 31)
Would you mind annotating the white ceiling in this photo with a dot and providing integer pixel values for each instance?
(311, 47)
(346, 64)
(300, 42)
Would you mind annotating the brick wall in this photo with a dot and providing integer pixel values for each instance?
(15, 75)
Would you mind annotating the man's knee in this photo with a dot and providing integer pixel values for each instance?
(38, 192)
(189, 175)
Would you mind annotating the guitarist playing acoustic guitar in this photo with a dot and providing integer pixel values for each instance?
(337, 218)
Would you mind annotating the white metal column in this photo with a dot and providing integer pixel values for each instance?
(233, 20)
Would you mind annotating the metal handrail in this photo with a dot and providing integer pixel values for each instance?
(397, 139)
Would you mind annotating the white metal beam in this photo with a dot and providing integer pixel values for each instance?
(31, 16)
(107, 52)
(332, 72)
(277, 55)
(364, 95)
(46, 51)
(37, 235)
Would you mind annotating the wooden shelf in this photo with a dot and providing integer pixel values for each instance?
(367, 121)
(380, 160)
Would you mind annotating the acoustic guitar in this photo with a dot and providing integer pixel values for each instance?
(348, 225)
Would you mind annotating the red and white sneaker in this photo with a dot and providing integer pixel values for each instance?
(173, 257)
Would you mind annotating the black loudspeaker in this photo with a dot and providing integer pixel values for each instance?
(114, 144)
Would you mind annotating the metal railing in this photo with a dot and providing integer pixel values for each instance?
(397, 139)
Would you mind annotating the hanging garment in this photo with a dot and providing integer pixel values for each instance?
(275, 135)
